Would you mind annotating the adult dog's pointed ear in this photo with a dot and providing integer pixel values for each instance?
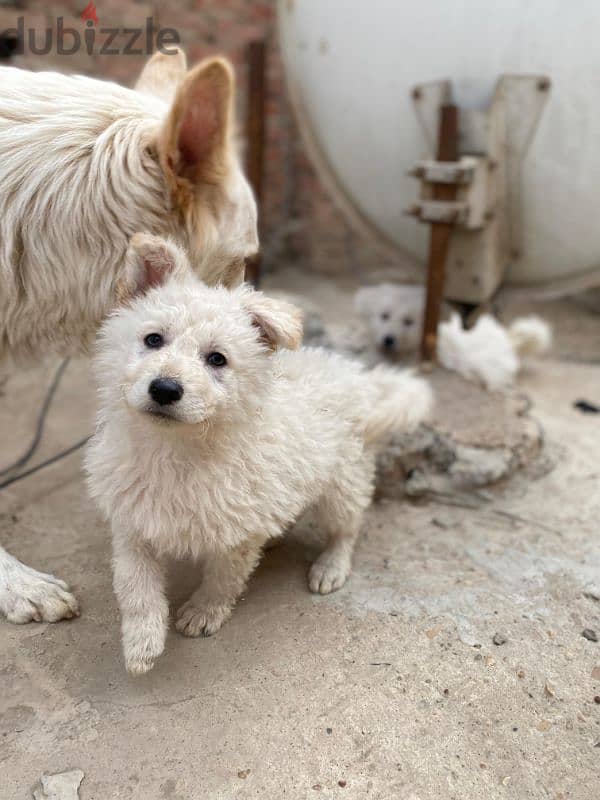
(150, 261)
(163, 74)
(194, 143)
(279, 322)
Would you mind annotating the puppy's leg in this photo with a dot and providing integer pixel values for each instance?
(224, 578)
(340, 511)
(140, 588)
(27, 595)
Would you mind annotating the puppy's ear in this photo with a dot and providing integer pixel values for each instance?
(163, 74)
(194, 143)
(279, 323)
(150, 261)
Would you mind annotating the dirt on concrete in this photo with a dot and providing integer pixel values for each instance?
(452, 666)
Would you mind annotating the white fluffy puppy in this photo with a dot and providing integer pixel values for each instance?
(84, 164)
(211, 441)
(487, 353)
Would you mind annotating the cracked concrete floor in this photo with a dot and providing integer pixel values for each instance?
(391, 688)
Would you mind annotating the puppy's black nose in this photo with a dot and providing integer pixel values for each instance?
(389, 342)
(165, 391)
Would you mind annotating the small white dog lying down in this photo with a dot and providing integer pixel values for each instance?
(488, 353)
(211, 441)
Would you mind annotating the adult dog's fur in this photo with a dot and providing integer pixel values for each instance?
(488, 353)
(83, 165)
(233, 452)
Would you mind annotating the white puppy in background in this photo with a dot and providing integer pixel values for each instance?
(212, 440)
(487, 353)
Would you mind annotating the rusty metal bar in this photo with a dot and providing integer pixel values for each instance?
(255, 137)
(440, 235)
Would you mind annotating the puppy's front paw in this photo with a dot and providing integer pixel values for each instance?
(143, 642)
(328, 573)
(195, 621)
(27, 595)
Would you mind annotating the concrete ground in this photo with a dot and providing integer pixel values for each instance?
(452, 666)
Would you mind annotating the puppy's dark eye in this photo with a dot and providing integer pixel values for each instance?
(154, 340)
(216, 359)
(385, 315)
(408, 321)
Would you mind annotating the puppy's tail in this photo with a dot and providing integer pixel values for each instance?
(530, 336)
(402, 401)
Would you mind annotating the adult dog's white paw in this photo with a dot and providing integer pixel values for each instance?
(328, 573)
(194, 621)
(27, 595)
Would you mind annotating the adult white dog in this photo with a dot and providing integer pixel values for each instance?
(83, 165)
(213, 437)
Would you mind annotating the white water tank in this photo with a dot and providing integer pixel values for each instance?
(351, 66)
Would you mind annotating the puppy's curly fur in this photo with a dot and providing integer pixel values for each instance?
(250, 440)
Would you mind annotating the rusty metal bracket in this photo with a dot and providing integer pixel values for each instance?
(472, 208)
(486, 207)
(445, 171)
(447, 211)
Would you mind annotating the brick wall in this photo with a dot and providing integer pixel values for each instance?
(299, 221)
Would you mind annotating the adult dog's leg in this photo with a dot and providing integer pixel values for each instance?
(27, 595)
(224, 578)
